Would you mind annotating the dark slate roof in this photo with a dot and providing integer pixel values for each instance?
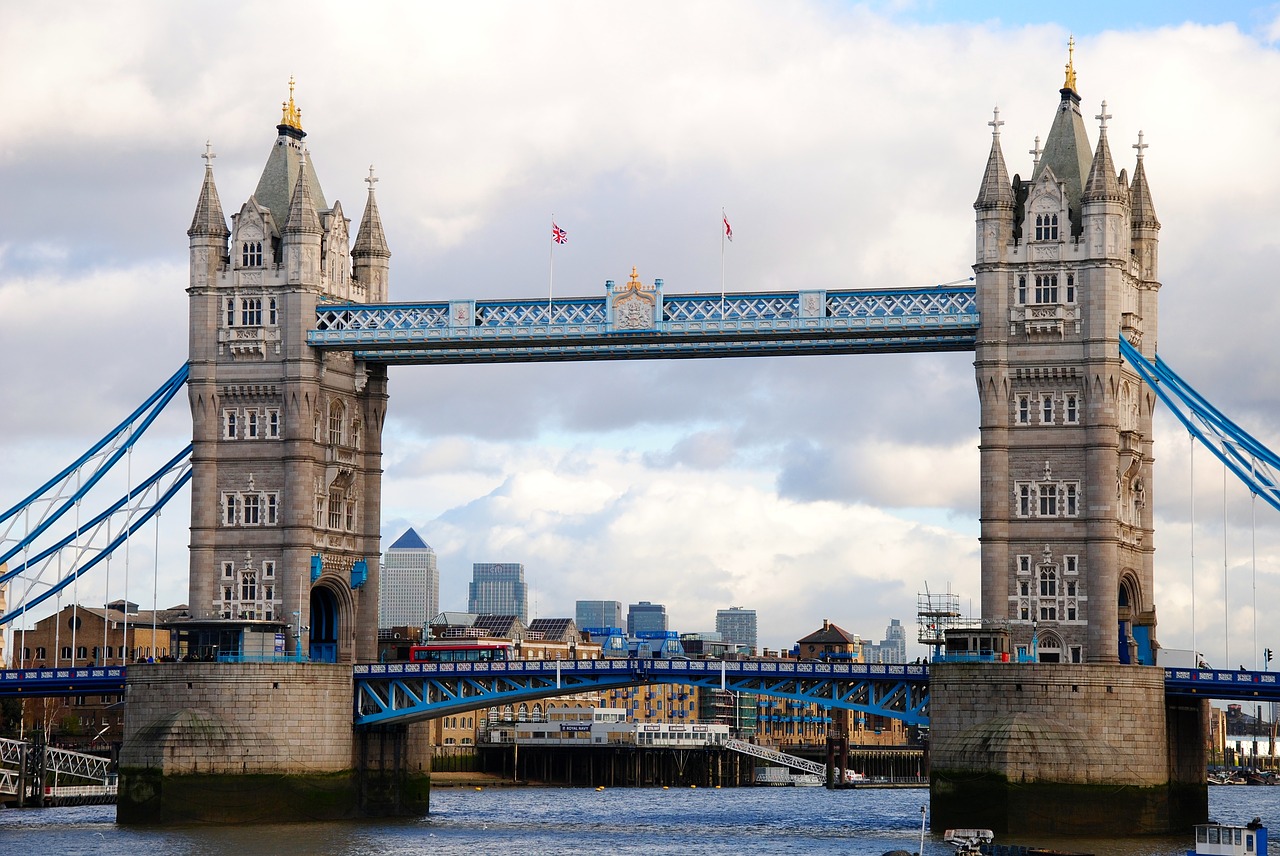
(410, 541)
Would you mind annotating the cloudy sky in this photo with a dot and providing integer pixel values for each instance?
(845, 141)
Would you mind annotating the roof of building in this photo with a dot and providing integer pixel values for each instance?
(506, 626)
(280, 176)
(555, 629)
(830, 634)
(410, 540)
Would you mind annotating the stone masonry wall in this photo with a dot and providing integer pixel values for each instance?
(1068, 724)
(292, 718)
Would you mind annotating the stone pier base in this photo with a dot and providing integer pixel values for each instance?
(248, 743)
(1063, 750)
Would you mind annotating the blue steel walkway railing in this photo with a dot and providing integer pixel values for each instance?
(637, 321)
(405, 692)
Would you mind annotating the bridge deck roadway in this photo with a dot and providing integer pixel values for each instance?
(420, 690)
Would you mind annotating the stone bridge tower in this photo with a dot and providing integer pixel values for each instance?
(1066, 263)
(286, 485)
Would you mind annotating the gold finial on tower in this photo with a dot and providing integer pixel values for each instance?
(290, 114)
(1070, 82)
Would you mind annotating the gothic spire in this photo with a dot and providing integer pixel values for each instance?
(1144, 211)
(1067, 150)
(371, 240)
(285, 163)
(303, 217)
(996, 190)
(208, 219)
(1102, 182)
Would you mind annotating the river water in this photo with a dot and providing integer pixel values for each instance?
(526, 821)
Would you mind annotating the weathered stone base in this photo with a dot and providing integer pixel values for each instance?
(959, 799)
(257, 743)
(1063, 749)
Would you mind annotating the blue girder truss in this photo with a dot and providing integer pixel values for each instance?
(1253, 463)
(389, 693)
(640, 322)
(27, 526)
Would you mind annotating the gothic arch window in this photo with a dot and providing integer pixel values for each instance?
(1047, 288)
(251, 312)
(1022, 290)
(1071, 288)
(1046, 227)
(1024, 410)
(336, 419)
(1072, 407)
(251, 254)
(1048, 582)
(1046, 409)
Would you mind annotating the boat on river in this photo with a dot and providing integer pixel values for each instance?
(981, 842)
(1221, 839)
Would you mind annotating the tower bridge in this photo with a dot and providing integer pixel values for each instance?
(291, 333)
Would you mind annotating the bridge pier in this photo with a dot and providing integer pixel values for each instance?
(256, 742)
(1064, 750)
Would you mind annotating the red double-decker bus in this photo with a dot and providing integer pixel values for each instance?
(461, 652)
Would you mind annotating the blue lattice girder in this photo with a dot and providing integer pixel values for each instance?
(941, 318)
(406, 692)
(1252, 462)
(57, 496)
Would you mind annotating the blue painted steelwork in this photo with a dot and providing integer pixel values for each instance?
(405, 692)
(1253, 463)
(61, 682)
(107, 452)
(129, 506)
(1220, 684)
(636, 321)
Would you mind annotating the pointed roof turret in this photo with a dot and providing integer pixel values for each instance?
(1144, 211)
(280, 175)
(1102, 183)
(996, 190)
(208, 219)
(1066, 150)
(371, 240)
(303, 217)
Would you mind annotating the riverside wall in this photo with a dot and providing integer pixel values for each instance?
(1063, 749)
(256, 742)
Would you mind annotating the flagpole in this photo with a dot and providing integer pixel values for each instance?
(724, 218)
(551, 270)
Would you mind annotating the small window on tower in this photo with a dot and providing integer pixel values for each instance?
(251, 254)
(1046, 410)
(1024, 410)
(1071, 288)
(1073, 408)
(1022, 290)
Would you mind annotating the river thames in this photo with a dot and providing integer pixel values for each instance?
(739, 821)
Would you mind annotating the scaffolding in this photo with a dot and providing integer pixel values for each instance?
(935, 614)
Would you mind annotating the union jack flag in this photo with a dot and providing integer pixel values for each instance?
(728, 230)
(560, 236)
